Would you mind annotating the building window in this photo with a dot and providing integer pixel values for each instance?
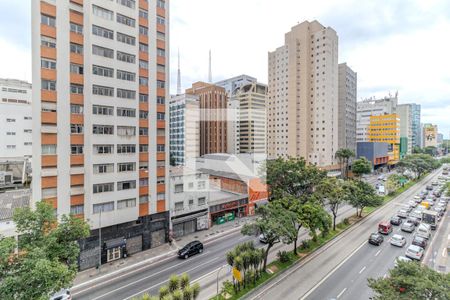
(143, 165)
(76, 89)
(103, 207)
(76, 28)
(10, 147)
(143, 148)
(143, 131)
(103, 110)
(160, 116)
(103, 32)
(48, 42)
(76, 48)
(143, 199)
(143, 98)
(48, 64)
(48, 20)
(160, 84)
(143, 30)
(126, 185)
(76, 149)
(126, 167)
(179, 206)
(178, 188)
(102, 12)
(124, 75)
(143, 81)
(27, 144)
(128, 3)
(160, 148)
(126, 149)
(143, 14)
(76, 69)
(103, 90)
(143, 115)
(201, 201)
(126, 112)
(143, 47)
(10, 133)
(161, 4)
(143, 64)
(103, 149)
(160, 196)
(161, 36)
(126, 20)
(103, 187)
(49, 193)
(126, 94)
(160, 20)
(76, 128)
(161, 68)
(125, 57)
(201, 185)
(48, 149)
(49, 85)
(126, 130)
(161, 100)
(143, 182)
(77, 209)
(102, 51)
(103, 129)
(102, 71)
(160, 180)
(127, 203)
(103, 168)
(161, 52)
(127, 39)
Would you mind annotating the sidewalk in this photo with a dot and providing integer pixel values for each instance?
(159, 253)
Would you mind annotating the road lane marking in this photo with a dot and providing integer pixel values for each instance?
(362, 270)
(340, 294)
(378, 252)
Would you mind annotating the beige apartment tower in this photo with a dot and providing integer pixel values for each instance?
(302, 110)
(100, 84)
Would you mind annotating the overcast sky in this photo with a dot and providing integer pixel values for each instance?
(395, 45)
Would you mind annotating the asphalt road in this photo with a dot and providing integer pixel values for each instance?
(340, 270)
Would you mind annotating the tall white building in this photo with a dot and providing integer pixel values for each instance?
(101, 77)
(347, 107)
(184, 128)
(405, 113)
(302, 114)
(372, 107)
(15, 119)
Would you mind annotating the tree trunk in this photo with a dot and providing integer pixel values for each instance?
(334, 221)
(266, 255)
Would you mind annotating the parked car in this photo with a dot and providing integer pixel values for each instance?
(408, 227)
(398, 240)
(419, 241)
(376, 239)
(63, 294)
(402, 213)
(414, 252)
(384, 227)
(401, 258)
(396, 220)
(190, 249)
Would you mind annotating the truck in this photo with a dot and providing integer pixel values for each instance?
(430, 217)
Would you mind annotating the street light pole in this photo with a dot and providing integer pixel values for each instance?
(100, 240)
(217, 281)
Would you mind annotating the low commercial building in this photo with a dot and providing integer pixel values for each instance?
(189, 197)
(376, 153)
(9, 202)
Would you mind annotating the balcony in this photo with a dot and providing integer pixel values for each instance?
(48, 31)
(143, 209)
(48, 96)
(49, 160)
(76, 58)
(48, 74)
(76, 18)
(76, 160)
(76, 38)
(48, 9)
(77, 200)
(48, 52)
(143, 190)
(76, 78)
(76, 99)
(161, 206)
(49, 182)
(76, 139)
(161, 124)
(48, 139)
(77, 179)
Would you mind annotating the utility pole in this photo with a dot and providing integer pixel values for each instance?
(100, 240)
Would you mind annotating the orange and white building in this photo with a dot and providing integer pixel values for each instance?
(100, 131)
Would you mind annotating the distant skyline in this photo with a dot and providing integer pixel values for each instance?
(393, 46)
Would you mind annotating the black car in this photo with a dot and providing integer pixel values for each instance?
(190, 249)
(419, 241)
(429, 187)
(396, 220)
(376, 239)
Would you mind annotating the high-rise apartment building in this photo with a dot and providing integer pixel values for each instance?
(416, 118)
(231, 86)
(252, 100)
(101, 77)
(15, 119)
(348, 81)
(372, 107)
(213, 117)
(405, 113)
(184, 128)
(302, 110)
(386, 129)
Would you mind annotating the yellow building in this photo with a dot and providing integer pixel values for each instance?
(386, 129)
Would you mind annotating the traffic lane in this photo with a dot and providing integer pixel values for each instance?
(151, 274)
(438, 247)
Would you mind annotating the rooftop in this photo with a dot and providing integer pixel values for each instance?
(11, 200)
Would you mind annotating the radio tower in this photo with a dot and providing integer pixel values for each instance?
(210, 72)
(179, 75)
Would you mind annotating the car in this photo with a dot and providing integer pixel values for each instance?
(262, 238)
(398, 240)
(408, 227)
(419, 241)
(63, 294)
(429, 187)
(413, 219)
(402, 258)
(408, 208)
(190, 249)
(434, 183)
(381, 177)
(417, 199)
(439, 210)
(384, 227)
(402, 213)
(424, 230)
(396, 220)
(376, 239)
(414, 252)
(412, 203)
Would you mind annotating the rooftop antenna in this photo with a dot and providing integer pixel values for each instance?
(210, 72)
(179, 75)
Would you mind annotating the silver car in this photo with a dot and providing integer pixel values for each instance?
(398, 240)
(408, 227)
(402, 213)
(414, 252)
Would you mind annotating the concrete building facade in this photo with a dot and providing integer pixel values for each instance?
(101, 77)
(213, 117)
(302, 110)
(405, 113)
(416, 119)
(15, 119)
(348, 82)
(184, 128)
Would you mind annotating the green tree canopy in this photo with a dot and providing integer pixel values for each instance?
(361, 194)
(411, 280)
(418, 164)
(344, 155)
(331, 192)
(361, 166)
(47, 255)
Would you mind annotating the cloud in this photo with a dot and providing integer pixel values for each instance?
(15, 61)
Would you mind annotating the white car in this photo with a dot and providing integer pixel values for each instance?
(63, 294)
(401, 258)
(414, 252)
(398, 240)
(402, 213)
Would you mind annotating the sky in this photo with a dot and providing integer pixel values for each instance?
(395, 45)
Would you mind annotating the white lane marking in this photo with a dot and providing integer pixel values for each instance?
(378, 252)
(146, 277)
(340, 294)
(332, 271)
(444, 252)
(362, 270)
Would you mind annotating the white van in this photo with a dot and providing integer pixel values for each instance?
(424, 231)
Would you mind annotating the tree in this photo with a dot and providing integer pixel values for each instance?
(344, 155)
(416, 150)
(316, 218)
(411, 280)
(332, 193)
(178, 288)
(361, 166)
(360, 194)
(292, 177)
(46, 260)
(394, 182)
(418, 164)
(430, 150)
